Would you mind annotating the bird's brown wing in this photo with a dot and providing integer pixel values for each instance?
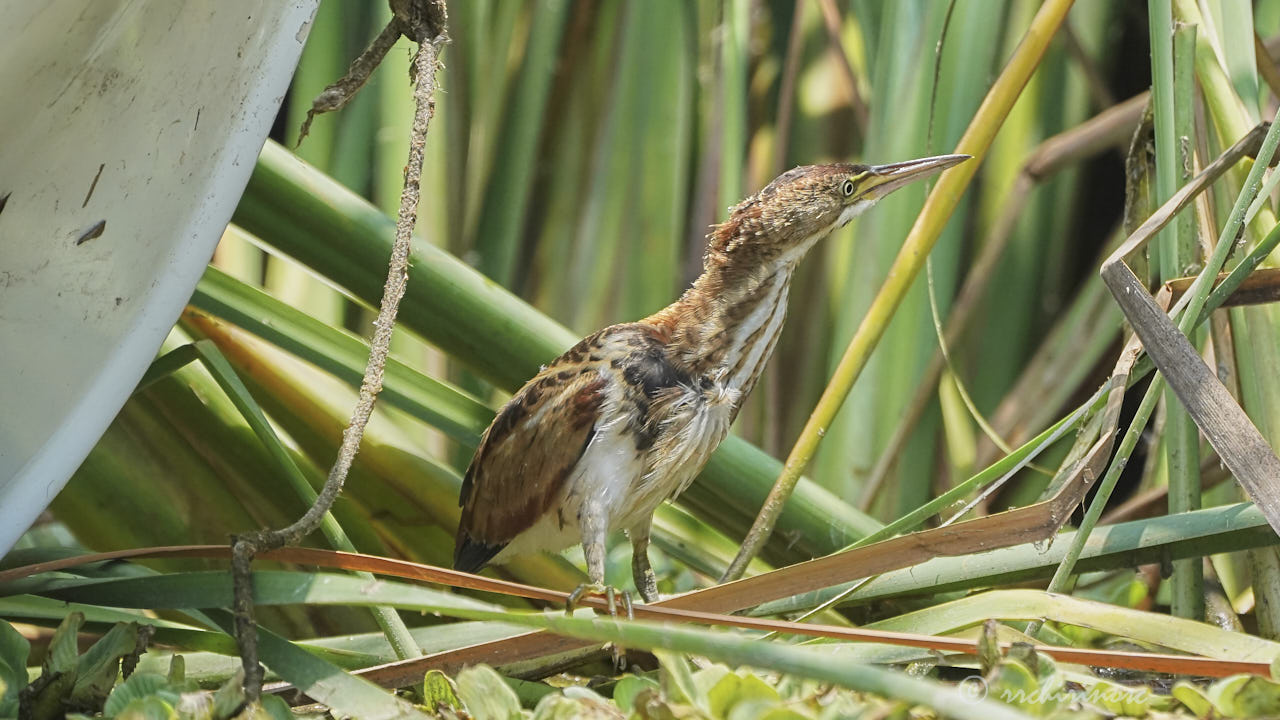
(525, 457)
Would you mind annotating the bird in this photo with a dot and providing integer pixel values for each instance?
(628, 416)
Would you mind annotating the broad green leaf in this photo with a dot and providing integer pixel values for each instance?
(273, 707)
(63, 653)
(723, 693)
(229, 696)
(752, 689)
(485, 694)
(151, 707)
(137, 688)
(99, 668)
(628, 687)
(587, 706)
(58, 673)
(732, 689)
(14, 650)
(438, 690)
(1012, 683)
(1245, 696)
(1193, 698)
(678, 681)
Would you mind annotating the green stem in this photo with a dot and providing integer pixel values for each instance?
(1160, 20)
(509, 187)
(733, 100)
(1182, 438)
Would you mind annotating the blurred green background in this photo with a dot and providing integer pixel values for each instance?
(579, 153)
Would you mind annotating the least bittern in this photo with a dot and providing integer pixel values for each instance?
(628, 417)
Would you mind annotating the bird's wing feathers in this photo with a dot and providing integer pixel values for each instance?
(526, 455)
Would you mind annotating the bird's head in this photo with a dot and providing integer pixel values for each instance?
(804, 204)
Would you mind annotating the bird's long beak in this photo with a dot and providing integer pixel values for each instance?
(884, 179)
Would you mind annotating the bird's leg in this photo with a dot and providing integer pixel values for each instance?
(593, 533)
(646, 581)
(593, 547)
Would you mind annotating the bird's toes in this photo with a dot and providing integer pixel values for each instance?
(582, 591)
(611, 596)
(608, 593)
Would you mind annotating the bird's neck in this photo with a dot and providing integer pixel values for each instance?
(726, 325)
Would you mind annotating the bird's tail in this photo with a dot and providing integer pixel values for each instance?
(471, 555)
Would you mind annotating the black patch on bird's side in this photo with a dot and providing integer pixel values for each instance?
(651, 371)
(645, 433)
(472, 555)
(641, 426)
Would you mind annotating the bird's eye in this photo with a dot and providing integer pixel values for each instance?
(847, 188)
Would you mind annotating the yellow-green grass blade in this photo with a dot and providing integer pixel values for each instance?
(661, 55)
(1145, 627)
(510, 183)
(446, 407)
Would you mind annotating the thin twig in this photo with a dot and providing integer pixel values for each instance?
(1266, 66)
(425, 22)
(338, 94)
(1093, 79)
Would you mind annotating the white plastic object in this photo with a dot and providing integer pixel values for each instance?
(145, 115)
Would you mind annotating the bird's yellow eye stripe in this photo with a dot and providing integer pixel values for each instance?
(850, 185)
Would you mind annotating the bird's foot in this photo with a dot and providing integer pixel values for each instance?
(610, 594)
